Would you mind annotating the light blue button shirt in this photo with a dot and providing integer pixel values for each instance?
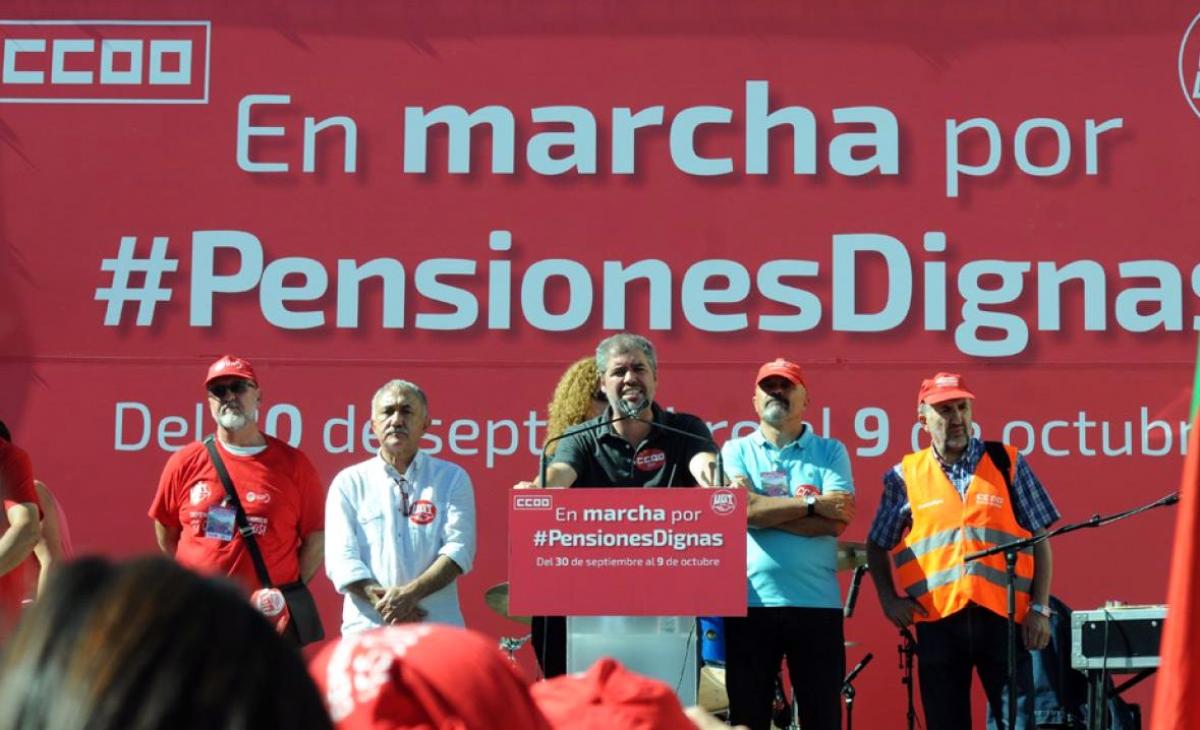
(367, 535)
(783, 569)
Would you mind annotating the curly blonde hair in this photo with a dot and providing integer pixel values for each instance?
(571, 403)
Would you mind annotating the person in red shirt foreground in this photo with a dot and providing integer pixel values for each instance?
(52, 548)
(436, 677)
(284, 501)
(19, 528)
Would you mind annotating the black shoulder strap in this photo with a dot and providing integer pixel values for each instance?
(244, 528)
(999, 456)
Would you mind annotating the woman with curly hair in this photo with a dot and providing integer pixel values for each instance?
(577, 398)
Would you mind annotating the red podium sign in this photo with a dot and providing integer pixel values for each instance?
(628, 552)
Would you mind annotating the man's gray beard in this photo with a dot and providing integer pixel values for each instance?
(235, 420)
(774, 413)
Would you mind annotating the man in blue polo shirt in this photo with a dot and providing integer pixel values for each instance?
(801, 497)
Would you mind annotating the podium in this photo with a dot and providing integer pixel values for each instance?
(631, 569)
(662, 647)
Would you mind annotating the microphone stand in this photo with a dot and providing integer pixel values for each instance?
(907, 649)
(852, 594)
(581, 428)
(633, 411)
(542, 466)
(848, 688)
(1010, 551)
(848, 611)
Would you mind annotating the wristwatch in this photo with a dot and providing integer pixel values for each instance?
(1039, 608)
(811, 501)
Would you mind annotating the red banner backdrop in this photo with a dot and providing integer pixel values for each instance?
(470, 196)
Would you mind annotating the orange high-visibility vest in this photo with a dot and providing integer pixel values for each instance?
(929, 560)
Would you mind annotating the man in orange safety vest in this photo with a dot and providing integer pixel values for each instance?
(958, 496)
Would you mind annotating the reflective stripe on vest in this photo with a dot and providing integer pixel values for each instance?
(949, 537)
(946, 527)
(988, 573)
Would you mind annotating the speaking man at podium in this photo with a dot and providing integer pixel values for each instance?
(633, 443)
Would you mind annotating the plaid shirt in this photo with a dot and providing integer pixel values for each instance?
(1031, 504)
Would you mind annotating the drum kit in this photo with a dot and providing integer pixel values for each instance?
(712, 695)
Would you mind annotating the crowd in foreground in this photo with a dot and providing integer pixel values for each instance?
(146, 645)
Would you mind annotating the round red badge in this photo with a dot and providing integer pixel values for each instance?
(723, 502)
(650, 460)
(269, 601)
(423, 512)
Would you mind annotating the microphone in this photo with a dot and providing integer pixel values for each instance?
(852, 594)
(631, 410)
(581, 428)
(858, 668)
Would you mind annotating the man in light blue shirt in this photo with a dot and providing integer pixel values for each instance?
(401, 525)
(801, 497)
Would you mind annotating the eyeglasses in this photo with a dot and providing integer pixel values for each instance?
(237, 387)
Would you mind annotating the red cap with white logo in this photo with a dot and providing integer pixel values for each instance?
(783, 368)
(422, 676)
(609, 697)
(230, 366)
(943, 387)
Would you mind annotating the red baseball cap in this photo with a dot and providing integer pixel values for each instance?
(609, 697)
(230, 366)
(943, 387)
(785, 368)
(425, 676)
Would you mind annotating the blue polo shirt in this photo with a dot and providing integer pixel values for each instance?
(783, 569)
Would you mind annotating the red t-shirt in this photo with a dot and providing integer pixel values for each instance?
(16, 487)
(278, 488)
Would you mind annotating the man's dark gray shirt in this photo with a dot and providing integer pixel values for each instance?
(601, 458)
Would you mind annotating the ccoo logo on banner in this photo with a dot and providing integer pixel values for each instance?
(104, 62)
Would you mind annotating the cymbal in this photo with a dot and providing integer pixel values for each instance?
(850, 555)
(496, 598)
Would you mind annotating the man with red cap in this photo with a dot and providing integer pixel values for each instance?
(195, 521)
(801, 497)
(422, 677)
(19, 528)
(435, 677)
(961, 495)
